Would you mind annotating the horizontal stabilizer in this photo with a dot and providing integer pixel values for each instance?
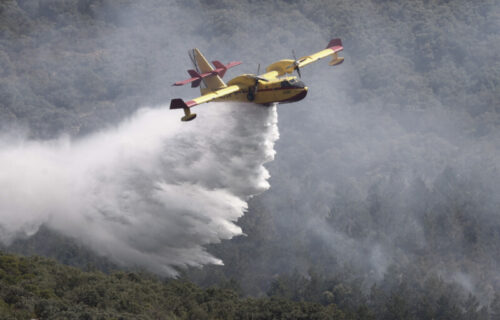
(183, 82)
(218, 64)
(193, 73)
(196, 83)
(221, 69)
(196, 77)
(233, 64)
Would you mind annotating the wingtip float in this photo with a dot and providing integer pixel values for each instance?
(273, 86)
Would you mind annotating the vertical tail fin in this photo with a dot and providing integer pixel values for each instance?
(212, 83)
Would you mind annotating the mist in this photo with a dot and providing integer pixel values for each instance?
(388, 169)
(148, 193)
(392, 158)
(390, 165)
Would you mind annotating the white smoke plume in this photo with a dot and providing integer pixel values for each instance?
(150, 192)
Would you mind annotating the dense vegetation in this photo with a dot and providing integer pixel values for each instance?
(41, 288)
(384, 199)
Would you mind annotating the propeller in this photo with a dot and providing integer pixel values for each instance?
(256, 85)
(253, 89)
(257, 78)
(296, 64)
(252, 76)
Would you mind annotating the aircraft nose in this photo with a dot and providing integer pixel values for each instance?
(301, 95)
(300, 84)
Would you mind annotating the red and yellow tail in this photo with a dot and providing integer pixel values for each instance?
(211, 83)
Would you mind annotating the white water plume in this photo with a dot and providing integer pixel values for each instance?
(151, 192)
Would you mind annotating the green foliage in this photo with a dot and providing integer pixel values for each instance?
(41, 288)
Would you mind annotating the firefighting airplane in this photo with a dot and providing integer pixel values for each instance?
(267, 88)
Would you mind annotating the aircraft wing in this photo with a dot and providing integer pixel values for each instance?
(207, 97)
(331, 50)
(283, 67)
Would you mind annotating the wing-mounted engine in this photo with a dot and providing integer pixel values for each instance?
(280, 68)
(250, 82)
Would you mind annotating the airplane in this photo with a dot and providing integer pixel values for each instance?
(273, 86)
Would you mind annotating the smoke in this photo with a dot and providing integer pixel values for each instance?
(386, 152)
(150, 192)
(373, 164)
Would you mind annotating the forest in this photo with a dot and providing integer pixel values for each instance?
(383, 201)
(41, 288)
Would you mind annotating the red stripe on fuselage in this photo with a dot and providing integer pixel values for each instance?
(272, 89)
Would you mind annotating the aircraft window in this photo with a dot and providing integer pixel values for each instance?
(292, 83)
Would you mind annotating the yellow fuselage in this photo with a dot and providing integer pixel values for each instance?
(282, 90)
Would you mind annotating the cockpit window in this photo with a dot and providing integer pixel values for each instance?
(292, 83)
(285, 84)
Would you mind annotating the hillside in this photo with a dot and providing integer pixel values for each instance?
(383, 201)
(42, 288)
